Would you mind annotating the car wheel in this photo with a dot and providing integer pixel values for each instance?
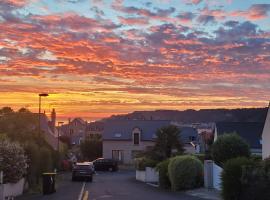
(73, 178)
(110, 169)
(90, 179)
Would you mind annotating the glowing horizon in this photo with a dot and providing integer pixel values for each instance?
(99, 58)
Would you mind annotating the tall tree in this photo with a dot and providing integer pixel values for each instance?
(168, 140)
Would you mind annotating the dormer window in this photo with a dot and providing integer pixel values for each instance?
(136, 138)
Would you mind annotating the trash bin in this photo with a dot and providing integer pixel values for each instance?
(48, 180)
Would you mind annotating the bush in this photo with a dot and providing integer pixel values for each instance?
(256, 181)
(46, 161)
(12, 162)
(143, 162)
(231, 177)
(185, 172)
(229, 146)
(164, 181)
(32, 152)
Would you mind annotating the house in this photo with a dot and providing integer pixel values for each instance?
(75, 130)
(189, 138)
(124, 139)
(251, 132)
(266, 136)
(48, 128)
(94, 129)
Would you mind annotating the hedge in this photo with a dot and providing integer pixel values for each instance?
(164, 181)
(185, 172)
(229, 146)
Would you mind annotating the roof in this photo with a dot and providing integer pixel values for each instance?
(249, 131)
(187, 132)
(122, 129)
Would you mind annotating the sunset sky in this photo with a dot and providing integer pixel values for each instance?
(96, 58)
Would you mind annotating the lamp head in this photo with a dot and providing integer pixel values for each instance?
(43, 95)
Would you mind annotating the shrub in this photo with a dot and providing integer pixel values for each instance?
(32, 152)
(256, 181)
(143, 162)
(13, 161)
(164, 181)
(185, 172)
(231, 177)
(201, 157)
(46, 161)
(229, 146)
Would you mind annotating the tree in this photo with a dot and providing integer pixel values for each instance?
(168, 139)
(13, 161)
(91, 148)
(229, 146)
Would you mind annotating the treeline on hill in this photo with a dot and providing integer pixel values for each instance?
(204, 115)
(22, 127)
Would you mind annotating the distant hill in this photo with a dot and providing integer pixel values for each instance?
(204, 115)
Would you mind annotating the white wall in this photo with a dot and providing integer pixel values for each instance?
(126, 146)
(217, 176)
(266, 136)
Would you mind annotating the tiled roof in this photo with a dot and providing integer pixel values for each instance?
(122, 129)
(250, 131)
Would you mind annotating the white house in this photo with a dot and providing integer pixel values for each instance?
(266, 136)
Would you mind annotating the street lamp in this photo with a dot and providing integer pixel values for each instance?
(39, 110)
(59, 123)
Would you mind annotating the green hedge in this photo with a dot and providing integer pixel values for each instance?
(256, 181)
(143, 162)
(231, 177)
(229, 146)
(164, 181)
(185, 172)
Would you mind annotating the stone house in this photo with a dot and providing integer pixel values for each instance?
(124, 139)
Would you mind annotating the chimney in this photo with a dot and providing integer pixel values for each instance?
(53, 118)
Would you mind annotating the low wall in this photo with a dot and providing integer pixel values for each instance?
(212, 175)
(150, 175)
(11, 189)
(140, 176)
(217, 176)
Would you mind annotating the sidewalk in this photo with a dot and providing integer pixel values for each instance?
(204, 193)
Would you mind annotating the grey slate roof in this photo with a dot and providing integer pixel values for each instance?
(187, 132)
(250, 131)
(122, 129)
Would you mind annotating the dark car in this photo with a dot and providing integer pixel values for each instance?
(102, 164)
(83, 171)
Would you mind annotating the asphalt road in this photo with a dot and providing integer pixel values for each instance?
(110, 186)
(123, 186)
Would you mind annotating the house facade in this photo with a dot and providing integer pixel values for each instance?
(75, 130)
(251, 132)
(124, 139)
(266, 136)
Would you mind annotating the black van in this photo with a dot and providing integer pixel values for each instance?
(103, 164)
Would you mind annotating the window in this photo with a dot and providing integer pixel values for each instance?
(191, 138)
(136, 138)
(118, 155)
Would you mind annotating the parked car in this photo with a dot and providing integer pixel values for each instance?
(102, 164)
(83, 170)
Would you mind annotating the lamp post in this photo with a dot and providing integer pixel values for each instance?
(59, 123)
(39, 110)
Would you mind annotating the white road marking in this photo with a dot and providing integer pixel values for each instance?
(81, 193)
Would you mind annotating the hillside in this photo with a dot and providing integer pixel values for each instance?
(204, 115)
